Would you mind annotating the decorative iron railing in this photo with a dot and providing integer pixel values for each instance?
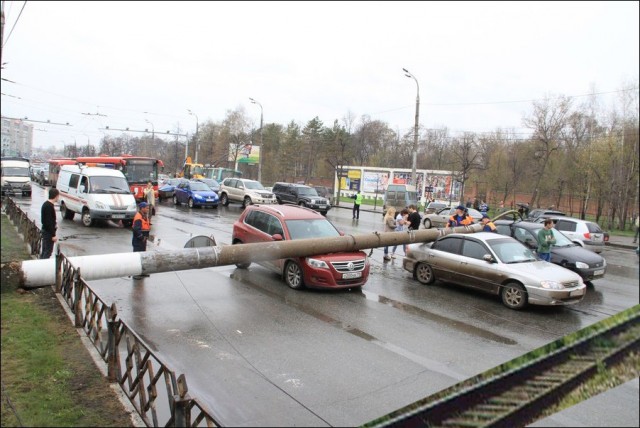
(140, 372)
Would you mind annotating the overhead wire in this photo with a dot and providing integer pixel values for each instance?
(14, 25)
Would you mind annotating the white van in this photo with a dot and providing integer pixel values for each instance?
(16, 176)
(399, 196)
(95, 193)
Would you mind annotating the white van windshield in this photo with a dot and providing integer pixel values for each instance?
(109, 185)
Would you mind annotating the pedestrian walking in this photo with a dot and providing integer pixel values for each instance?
(49, 223)
(356, 205)
(637, 227)
(545, 240)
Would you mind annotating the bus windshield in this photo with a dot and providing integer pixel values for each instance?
(140, 172)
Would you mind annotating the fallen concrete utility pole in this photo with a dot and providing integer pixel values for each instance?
(38, 273)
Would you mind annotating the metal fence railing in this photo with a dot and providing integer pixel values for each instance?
(160, 397)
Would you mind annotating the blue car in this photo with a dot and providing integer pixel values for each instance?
(195, 194)
(166, 190)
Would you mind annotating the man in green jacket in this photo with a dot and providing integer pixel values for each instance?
(545, 240)
(356, 205)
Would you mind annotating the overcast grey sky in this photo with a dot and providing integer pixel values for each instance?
(478, 64)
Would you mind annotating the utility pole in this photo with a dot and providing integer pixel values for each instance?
(415, 131)
(261, 142)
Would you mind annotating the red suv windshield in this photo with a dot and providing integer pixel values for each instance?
(304, 229)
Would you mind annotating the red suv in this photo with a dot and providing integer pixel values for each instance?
(267, 223)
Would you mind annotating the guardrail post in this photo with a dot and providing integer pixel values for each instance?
(112, 350)
(181, 401)
(77, 307)
(58, 257)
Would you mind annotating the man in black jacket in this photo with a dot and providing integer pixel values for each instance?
(49, 223)
(414, 217)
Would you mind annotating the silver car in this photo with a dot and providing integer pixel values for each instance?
(494, 264)
(441, 218)
(585, 233)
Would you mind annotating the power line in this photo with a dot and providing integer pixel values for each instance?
(14, 25)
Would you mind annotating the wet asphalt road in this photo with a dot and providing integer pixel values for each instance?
(258, 353)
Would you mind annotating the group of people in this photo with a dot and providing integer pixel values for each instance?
(409, 219)
(141, 223)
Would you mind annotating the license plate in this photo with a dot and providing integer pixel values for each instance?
(351, 275)
(117, 216)
(322, 206)
(576, 293)
(209, 200)
(598, 272)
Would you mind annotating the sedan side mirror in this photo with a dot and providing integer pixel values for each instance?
(277, 237)
(488, 258)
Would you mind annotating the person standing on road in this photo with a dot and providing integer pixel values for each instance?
(488, 224)
(150, 197)
(545, 240)
(356, 205)
(460, 218)
(49, 223)
(389, 226)
(413, 217)
(141, 228)
(402, 219)
(637, 227)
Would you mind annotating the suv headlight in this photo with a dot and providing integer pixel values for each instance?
(581, 265)
(317, 263)
(101, 206)
(553, 285)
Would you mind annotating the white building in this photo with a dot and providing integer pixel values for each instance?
(17, 137)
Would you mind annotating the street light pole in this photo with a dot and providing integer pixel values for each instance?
(261, 142)
(153, 134)
(197, 142)
(415, 131)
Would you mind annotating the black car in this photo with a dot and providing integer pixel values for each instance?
(585, 263)
(299, 194)
(213, 184)
(540, 214)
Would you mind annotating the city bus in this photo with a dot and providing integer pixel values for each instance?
(54, 169)
(220, 174)
(138, 170)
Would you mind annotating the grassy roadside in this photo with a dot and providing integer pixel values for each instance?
(48, 376)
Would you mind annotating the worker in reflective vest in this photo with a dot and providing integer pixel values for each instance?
(460, 218)
(141, 228)
(356, 205)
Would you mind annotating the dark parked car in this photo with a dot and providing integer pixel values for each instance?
(541, 214)
(494, 264)
(565, 253)
(213, 184)
(268, 223)
(299, 194)
(195, 194)
(166, 191)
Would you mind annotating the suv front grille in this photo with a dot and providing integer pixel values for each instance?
(349, 266)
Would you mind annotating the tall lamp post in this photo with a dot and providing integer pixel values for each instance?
(415, 130)
(261, 143)
(197, 142)
(153, 133)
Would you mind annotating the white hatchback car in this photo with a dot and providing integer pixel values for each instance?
(584, 233)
